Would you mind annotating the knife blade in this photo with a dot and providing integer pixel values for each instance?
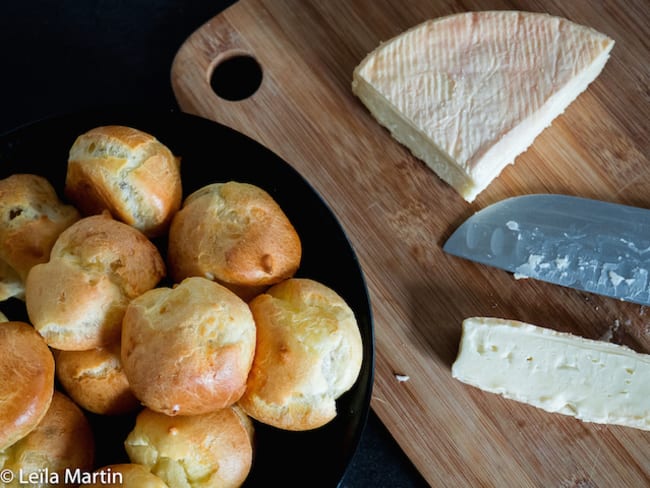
(580, 243)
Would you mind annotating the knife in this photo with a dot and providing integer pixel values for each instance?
(580, 243)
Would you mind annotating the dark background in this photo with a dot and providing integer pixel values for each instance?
(65, 56)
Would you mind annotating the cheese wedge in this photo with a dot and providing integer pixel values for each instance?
(468, 93)
(593, 381)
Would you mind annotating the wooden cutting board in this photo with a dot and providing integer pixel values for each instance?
(398, 214)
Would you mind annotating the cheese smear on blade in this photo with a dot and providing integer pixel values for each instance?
(469, 92)
(593, 381)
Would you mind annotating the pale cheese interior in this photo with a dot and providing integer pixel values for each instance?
(591, 380)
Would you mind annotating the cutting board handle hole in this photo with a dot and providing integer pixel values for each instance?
(236, 76)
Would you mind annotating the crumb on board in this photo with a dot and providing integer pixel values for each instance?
(402, 377)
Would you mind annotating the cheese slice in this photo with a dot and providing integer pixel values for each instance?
(467, 93)
(594, 381)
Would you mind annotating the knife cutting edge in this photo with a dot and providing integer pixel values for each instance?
(585, 244)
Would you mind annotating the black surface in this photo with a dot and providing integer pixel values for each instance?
(64, 56)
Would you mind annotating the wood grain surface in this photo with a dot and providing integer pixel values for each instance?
(398, 214)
